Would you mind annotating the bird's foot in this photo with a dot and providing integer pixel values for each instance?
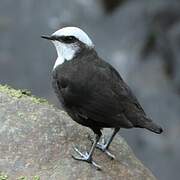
(103, 146)
(85, 157)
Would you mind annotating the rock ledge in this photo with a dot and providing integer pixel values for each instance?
(36, 142)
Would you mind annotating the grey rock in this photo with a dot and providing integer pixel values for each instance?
(36, 140)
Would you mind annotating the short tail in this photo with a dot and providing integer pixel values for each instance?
(153, 127)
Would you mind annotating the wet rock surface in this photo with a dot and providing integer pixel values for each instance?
(36, 141)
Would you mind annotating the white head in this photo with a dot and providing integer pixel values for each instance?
(68, 42)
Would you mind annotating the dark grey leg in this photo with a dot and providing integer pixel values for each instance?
(88, 156)
(103, 146)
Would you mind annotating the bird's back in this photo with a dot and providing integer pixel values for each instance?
(92, 90)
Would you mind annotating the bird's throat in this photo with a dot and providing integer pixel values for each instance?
(58, 62)
(65, 52)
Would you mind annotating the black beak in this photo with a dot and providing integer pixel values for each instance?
(49, 37)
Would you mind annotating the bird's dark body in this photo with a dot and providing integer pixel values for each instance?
(94, 94)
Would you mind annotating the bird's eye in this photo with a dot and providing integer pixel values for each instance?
(68, 39)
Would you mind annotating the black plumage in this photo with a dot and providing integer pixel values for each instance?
(94, 94)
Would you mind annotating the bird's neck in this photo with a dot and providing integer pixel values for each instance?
(74, 54)
(64, 52)
(59, 61)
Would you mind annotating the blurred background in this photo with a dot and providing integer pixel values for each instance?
(140, 38)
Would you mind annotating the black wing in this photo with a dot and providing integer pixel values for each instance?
(98, 92)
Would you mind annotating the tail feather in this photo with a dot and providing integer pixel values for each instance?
(153, 127)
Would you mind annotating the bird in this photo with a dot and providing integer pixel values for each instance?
(92, 91)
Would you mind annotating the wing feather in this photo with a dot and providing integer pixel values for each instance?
(101, 95)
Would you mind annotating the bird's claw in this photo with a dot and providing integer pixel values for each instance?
(104, 148)
(85, 157)
(101, 147)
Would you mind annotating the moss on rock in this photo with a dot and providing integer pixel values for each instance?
(21, 93)
(37, 139)
(3, 176)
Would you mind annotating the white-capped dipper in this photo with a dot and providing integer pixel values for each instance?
(92, 92)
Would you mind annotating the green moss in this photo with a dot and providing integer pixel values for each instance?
(26, 178)
(36, 178)
(20, 114)
(22, 178)
(3, 176)
(10, 91)
(21, 93)
(38, 100)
